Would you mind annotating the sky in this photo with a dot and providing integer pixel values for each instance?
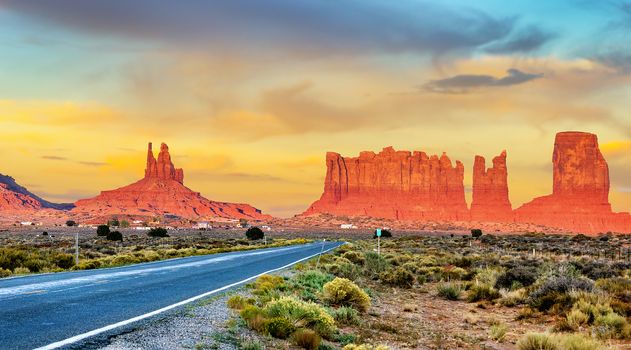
(250, 95)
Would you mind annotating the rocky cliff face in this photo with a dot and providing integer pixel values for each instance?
(490, 191)
(161, 192)
(580, 195)
(393, 184)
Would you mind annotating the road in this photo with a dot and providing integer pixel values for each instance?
(73, 309)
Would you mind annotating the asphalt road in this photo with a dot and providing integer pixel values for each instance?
(75, 309)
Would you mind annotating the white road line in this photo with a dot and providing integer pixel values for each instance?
(80, 337)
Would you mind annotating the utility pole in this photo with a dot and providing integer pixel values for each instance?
(76, 248)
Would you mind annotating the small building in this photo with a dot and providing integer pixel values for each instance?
(347, 226)
(203, 225)
(27, 223)
(266, 228)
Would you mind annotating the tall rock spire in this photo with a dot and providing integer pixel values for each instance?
(490, 190)
(163, 167)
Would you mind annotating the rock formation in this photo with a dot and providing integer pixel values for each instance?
(580, 194)
(162, 192)
(393, 184)
(16, 199)
(490, 191)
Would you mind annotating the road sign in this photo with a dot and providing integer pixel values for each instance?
(378, 232)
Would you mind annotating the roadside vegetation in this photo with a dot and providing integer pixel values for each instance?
(105, 248)
(450, 292)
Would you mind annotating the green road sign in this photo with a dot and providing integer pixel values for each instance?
(378, 232)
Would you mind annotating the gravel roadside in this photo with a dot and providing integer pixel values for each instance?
(206, 324)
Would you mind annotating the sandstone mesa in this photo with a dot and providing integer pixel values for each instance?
(412, 186)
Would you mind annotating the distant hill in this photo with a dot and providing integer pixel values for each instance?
(16, 197)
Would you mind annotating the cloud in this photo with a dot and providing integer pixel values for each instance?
(54, 158)
(523, 41)
(466, 82)
(92, 163)
(240, 177)
(309, 27)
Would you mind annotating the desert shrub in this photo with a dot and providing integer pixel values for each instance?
(115, 236)
(476, 233)
(237, 302)
(578, 342)
(522, 275)
(375, 264)
(346, 315)
(452, 272)
(266, 283)
(65, 261)
(537, 341)
(399, 277)
(482, 292)
(87, 265)
(344, 292)
(354, 257)
(384, 234)
(498, 331)
(102, 230)
(5, 272)
(309, 283)
(71, 223)
(301, 314)
(21, 271)
(307, 339)
(513, 298)
(449, 291)
(344, 270)
(554, 291)
(612, 325)
(254, 233)
(255, 318)
(158, 232)
(576, 319)
(279, 327)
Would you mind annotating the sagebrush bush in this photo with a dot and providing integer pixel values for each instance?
(344, 270)
(306, 339)
(399, 277)
(301, 314)
(554, 291)
(5, 272)
(237, 302)
(577, 318)
(365, 347)
(158, 232)
(525, 276)
(498, 331)
(449, 291)
(266, 283)
(255, 318)
(480, 292)
(612, 325)
(537, 341)
(279, 327)
(375, 264)
(343, 292)
(346, 315)
(355, 257)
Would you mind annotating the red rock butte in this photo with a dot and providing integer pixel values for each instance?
(162, 192)
(393, 184)
(412, 186)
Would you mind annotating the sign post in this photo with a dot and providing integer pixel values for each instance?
(319, 255)
(378, 241)
(76, 248)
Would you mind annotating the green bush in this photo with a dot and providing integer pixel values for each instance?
(307, 339)
(5, 272)
(449, 291)
(482, 292)
(64, 261)
(255, 318)
(375, 264)
(346, 315)
(254, 233)
(344, 292)
(102, 230)
(612, 325)
(158, 232)
(279, 327)
(71, 223)
(115, 236)
(309, 283)
(355, 257)
(301, 314)
(476, 233)
(399, 277)
(537, 341)
(251, 345)
(237, 302)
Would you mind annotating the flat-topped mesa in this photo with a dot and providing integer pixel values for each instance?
(393, 184)
(579, 199)
(162, 168)
(490, 191)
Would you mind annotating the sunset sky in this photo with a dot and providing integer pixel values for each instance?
(250, 95)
